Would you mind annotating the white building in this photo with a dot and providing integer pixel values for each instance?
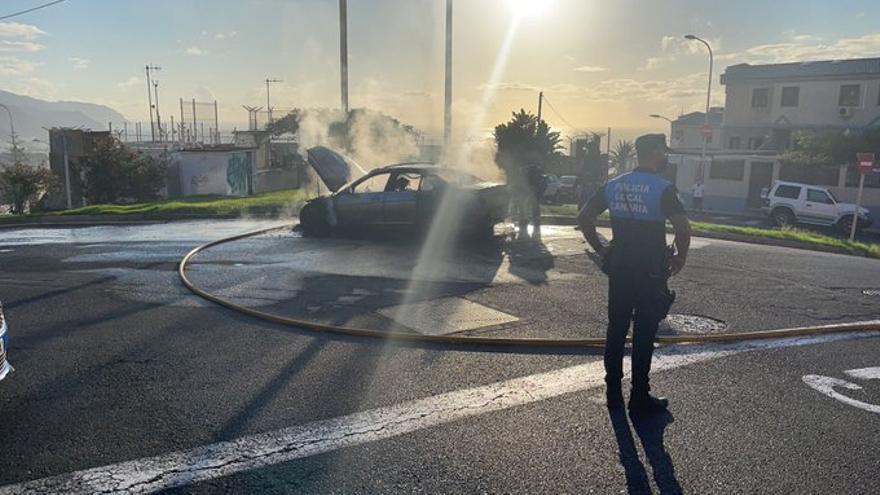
(765, 107)
(687, 131)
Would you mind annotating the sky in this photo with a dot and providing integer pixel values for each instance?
(599, 63)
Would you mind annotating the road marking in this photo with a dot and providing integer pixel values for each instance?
(826, 384)
(266, 449)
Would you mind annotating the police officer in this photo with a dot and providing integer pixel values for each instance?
(638, 264)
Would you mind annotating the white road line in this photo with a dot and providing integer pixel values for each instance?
(267, 449)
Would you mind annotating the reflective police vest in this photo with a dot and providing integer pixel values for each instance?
(637, 218)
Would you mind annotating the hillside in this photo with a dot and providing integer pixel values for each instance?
(32, 114)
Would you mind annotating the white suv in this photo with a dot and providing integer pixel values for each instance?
(788, 203)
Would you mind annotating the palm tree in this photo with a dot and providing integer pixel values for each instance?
(622, 154)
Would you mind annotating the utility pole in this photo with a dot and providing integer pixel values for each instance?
(706, 127)
(343, 53)
(149, 68)
(268, 99)
(12, 136)
(158, 119)
(540, 104)
(447, 107)
(66, 169)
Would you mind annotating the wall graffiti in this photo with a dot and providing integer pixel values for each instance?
(238, 173)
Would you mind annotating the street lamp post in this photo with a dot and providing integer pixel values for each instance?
(11, 130)
(667, 119)
(708, 96)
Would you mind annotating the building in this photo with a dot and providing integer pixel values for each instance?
(766, 106)
(687, 130)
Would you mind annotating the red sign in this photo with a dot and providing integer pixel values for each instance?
(706, 131)
(866, 162)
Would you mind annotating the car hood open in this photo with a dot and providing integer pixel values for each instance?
(334, 169)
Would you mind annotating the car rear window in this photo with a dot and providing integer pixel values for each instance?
(790, 192)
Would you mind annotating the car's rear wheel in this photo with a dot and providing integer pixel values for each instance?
(782, 217)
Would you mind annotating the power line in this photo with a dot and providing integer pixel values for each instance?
(569, 124)
(38, 7)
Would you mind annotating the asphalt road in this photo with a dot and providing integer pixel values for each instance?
(116, 362)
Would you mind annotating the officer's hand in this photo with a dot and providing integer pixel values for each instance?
(602, 252)
(676, 263)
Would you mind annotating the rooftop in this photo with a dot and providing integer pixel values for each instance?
(804, 70)
(697, 118)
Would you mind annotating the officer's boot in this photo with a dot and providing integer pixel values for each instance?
(613, 394)
(641, 402)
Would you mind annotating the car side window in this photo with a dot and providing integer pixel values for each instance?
(376, 183)
(403, 183)
(430, 183)
(818, 196)
(788, 192)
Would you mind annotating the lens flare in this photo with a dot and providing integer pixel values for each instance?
(529, 8)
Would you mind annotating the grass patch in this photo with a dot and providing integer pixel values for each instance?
(802, 236)
(274, 202)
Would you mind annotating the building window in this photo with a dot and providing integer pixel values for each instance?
(727, 169)
(760, 97)
(790, 96)
(756, 143)
(735, 142)
(678, 135)
(850, 95)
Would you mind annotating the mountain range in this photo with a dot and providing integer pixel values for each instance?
(31, 115)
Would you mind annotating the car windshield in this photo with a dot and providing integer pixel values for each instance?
(832, 196)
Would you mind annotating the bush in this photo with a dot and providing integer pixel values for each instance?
(21, 185)
(114, 174)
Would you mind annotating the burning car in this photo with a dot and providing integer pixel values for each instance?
(405, 196)
(5, 367)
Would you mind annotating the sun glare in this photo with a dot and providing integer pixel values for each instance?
(529, 8)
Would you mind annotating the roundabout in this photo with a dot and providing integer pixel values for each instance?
(497, 293)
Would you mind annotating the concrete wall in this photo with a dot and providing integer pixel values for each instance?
(726, 195)
(227, 173)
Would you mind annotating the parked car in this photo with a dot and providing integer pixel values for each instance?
(568, 190)
(790, 203)
(551, 192)
(398, 197)
(5, 367)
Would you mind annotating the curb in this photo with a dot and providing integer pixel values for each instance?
(865, 326)
(747, 239)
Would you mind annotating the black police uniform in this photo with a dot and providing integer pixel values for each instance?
(637, 266)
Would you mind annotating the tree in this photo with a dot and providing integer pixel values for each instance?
(834, 148)
(522, 141)
(114, 173)
(22, 185)
(622, 154)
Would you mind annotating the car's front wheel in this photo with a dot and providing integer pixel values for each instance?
(782, 217)
(313, 219)
(845, 225)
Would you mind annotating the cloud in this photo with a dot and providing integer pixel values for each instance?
(508, 86)
(20, 46)
(11, 66)
(18, 30)
(195, 51)
(806, 47)
(223, 36)
(568, 58)
(590, 68)
(673, 48)
(79, 63)
(129, 83)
